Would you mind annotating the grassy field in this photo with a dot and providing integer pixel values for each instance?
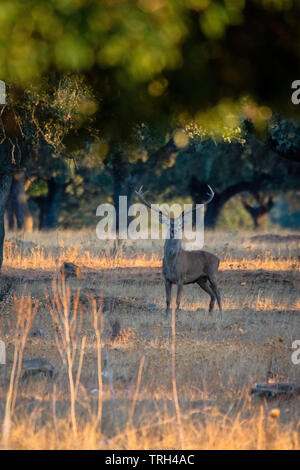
(119, 366)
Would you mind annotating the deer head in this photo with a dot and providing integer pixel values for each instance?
(174, 224)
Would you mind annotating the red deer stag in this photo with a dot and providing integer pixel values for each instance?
(186, 267)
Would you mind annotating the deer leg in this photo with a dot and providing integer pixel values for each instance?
(216, 292)
(206, 287)
(168, 294)
(179, 294)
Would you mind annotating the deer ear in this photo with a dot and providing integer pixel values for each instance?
(180, 222)
(185, 218)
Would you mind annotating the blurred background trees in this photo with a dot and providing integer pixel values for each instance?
(103, 96)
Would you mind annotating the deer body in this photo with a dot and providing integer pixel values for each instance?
(182, 267)
(186, 267)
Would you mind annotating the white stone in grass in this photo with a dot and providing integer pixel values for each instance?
(95, 391)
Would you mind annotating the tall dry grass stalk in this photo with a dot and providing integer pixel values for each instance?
(137, 389)
(131, 431)
(174, 385)
(98, 327)
(25, 313)
(67, 320)
(54, 410)
(111, 384)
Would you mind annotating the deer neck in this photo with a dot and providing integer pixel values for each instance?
(172, 248)
(171, 262)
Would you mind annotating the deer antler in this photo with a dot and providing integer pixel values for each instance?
(210, 195)
(140, 196)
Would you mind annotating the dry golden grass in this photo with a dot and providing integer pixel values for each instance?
(131, 405)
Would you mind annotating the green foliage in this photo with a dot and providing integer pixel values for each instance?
(54, 114)
(150, 70)
(37, 188)
(234, 216)
(285, 138)
(287, 213)
(55, 125)
(225, 161)
(154, 58)
(142, 37)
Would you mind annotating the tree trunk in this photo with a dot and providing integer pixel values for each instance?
(259, 213)
(19, 216)
(121, 187)
(10, 214)
(50, 205)
(214, 208)
(5, 183)
(259, 221)
(213, 211)
(127, 176)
